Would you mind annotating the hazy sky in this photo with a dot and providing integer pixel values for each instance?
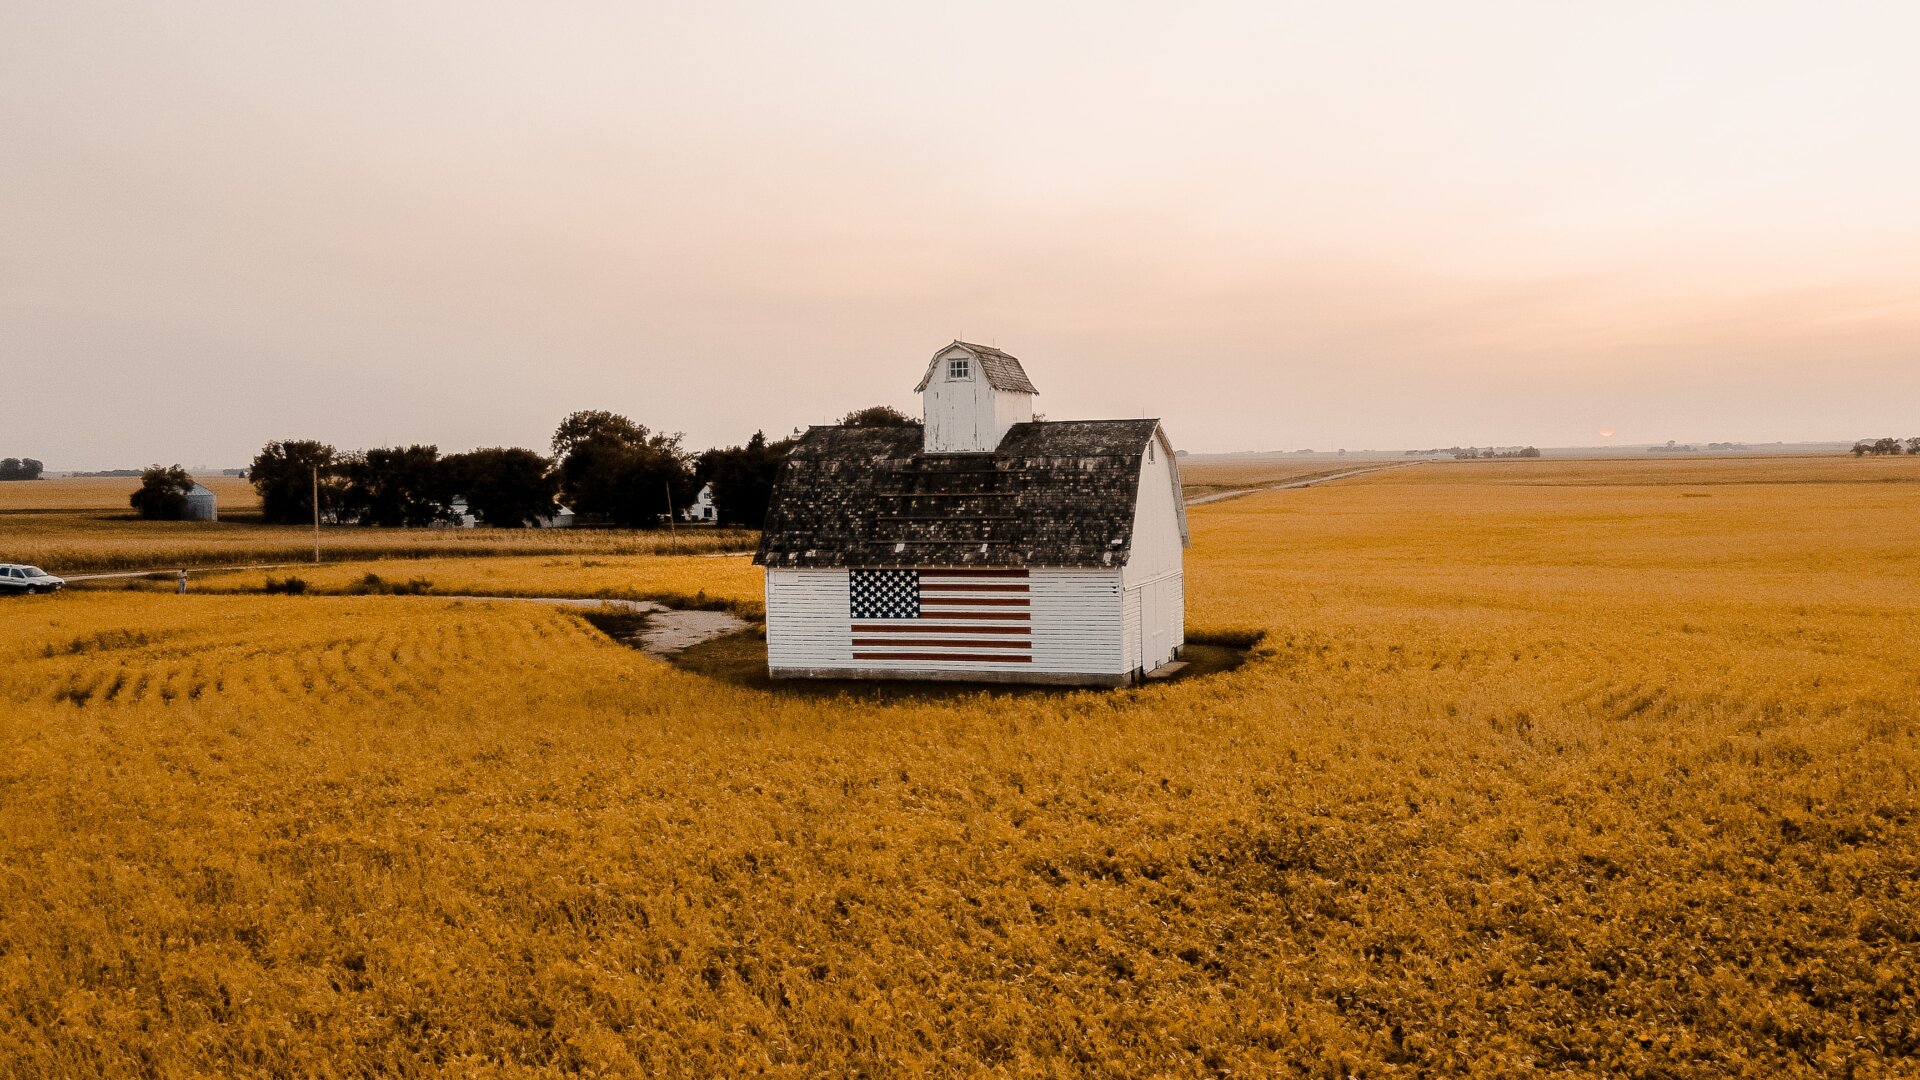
(1276, 226)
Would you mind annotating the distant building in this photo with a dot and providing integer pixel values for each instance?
(702, 508)
(982, 545)
(202, 504)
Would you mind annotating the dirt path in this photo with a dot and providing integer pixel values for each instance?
(668, 630)
(1312, 481)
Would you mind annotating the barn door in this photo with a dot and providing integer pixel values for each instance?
(1153, 624)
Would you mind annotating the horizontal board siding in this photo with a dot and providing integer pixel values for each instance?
(807, 624)
(1177, 589)
(1074, 623)
(1130, 626)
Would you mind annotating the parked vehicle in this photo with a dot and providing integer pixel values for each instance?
(18, 578)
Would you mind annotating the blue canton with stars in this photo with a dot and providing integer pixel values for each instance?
(885, 594)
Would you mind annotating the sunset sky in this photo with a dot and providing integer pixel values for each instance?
(1275, 226)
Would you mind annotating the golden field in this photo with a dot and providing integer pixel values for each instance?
(1214, 475)
(680, 580)
(68, 544)
(80, 525)
(1563, 767)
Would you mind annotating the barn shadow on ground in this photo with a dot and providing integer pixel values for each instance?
(741, 660)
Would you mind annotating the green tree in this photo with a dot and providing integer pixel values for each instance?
(743, 478)
(878, 416)
(162, 494)
(595, 426)
(283, 475)
(505, 487)
(397, 487)
(614, 470)
(19, 469)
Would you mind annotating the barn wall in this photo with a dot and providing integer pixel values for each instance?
(1008, 409)
(1159, 524)
(807, 624)
(1154, 575)
(1076, 621)
(1130, 620)
(1076, 631)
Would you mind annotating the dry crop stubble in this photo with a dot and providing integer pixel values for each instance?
(1588, 777)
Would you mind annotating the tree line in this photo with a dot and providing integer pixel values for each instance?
(605, 467)
(1886, 446)
(14, 468)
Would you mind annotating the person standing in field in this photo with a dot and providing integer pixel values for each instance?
(183, 582)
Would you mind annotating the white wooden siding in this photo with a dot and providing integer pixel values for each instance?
(1130, 623)
(807, 624)
(1159, 530)
(968, 415)
(1076, 628)
(1075, 621)
(1154, 575)
(1177, 593)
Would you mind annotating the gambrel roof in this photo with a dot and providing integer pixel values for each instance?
(1053, 493)
(1003, 371)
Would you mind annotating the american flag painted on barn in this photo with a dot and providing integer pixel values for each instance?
(970, 616)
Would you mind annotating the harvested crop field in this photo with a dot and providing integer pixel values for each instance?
(1538, 766)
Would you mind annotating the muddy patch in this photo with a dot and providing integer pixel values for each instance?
(656, 629)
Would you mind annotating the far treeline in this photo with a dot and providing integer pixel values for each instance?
(1471, 453)
(1886, 446)
(14, 468)
(605, 467)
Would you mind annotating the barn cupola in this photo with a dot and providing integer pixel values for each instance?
(969, 398)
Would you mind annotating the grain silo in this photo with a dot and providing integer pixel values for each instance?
(202, 504)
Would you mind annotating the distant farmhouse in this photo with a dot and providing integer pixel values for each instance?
(980, 545)
(703, 508)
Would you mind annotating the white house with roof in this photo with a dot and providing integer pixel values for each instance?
(703, 507)
(979, 545)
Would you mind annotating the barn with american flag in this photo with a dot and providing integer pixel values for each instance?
(978, 545)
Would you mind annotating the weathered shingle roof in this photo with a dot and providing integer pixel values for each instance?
(1054, 493)
(1003, 371)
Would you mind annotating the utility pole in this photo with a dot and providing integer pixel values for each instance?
(667, 486)
(316, 514)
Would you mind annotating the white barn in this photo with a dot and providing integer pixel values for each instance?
(981, 545)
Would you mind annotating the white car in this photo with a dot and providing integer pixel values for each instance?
(19, 578)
